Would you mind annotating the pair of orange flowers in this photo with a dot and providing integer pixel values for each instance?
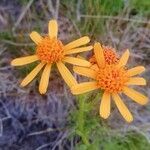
(105, 68)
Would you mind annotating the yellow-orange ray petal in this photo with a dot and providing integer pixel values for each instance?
(66, 74)
(77, 50)
(124, 58)
(45, 79)
(24, 60)
(136, 81)
(122, 108)
(53, 28)
(94, 67)
(79, 42)
(32, 74)
(136, 96)
(99, 54)
(76, 61)
(81, 57)
(36, 37)
(105, 105)
(136, 70)
(85, 72)
(84, 87)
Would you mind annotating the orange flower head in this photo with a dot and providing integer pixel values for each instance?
(110, 55)
(112, 79)
(50, 50)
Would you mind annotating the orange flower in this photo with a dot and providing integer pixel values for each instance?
(113, 79)
(110, 56)
(50, 50)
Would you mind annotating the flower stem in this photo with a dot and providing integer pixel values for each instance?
(81, 121)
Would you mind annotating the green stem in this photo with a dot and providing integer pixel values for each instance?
(81, 114)
(81, 121)
(84, 138)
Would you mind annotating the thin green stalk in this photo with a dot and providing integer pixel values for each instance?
(81, 121)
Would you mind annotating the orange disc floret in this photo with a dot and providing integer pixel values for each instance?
(50, 50)
(111, 78)
(110, 56)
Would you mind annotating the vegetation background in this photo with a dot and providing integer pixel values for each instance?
(58, 120)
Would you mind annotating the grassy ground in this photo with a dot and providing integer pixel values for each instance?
(58, 120)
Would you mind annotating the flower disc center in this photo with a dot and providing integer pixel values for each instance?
(111, 78)
(50, 50)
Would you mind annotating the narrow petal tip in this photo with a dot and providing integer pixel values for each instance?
(146, 100)
(129, 120)
(73, 90)
(42, 92)
(32, 34)
(124, 58)
(36, 37)
(12, 63)
(22, 84)
(104, 116)
(136, 70)
(52, 28)
(97, 44)
(142, 69)
(127, 51)
(87, 39)
(53, 21)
